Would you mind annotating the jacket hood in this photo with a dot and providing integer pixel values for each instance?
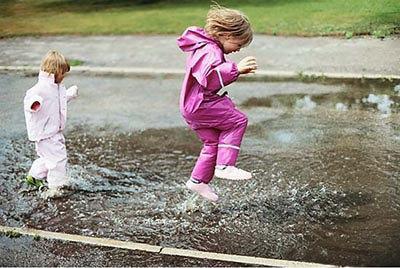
(193, 38)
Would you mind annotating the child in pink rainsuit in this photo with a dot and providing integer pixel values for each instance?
(45, 107)
(214, 118)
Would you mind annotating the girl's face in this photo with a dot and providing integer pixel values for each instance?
(230, 44)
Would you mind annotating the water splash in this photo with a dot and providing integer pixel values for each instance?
(341, 107)
(305, 104)
(397, 89)
(383, 102)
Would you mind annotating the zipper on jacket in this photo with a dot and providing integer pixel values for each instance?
(59, 107)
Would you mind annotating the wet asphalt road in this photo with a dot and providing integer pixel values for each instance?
(318, 54)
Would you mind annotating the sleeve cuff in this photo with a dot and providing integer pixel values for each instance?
(228, 72)
(234, 71)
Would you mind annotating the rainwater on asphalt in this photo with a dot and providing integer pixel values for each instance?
(325, 159)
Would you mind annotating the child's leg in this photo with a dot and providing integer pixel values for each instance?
(38, 169)
(55, 157)
(230, 139)
(228, 126)
(229, 145)
(57, 176)
(203, 171)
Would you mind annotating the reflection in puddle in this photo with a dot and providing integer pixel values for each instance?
(383, 97)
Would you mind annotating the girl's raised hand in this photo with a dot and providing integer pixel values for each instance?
(247, 65)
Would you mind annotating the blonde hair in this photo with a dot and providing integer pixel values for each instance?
(54, 63)
(221, 20)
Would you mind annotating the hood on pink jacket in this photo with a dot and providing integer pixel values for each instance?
(207, 70)
(194, 38)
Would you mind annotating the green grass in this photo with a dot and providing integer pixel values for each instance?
(75, 62)
(346, 18)
(11, 234)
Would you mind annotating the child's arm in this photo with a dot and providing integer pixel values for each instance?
(211, 72)
(72, 93)
(33, 103)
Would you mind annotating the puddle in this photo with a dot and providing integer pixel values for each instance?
(325, 190)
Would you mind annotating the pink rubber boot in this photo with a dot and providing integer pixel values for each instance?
(231, 173)
(202, 189)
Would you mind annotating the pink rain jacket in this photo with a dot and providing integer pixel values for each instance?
(50, 118)
(207, 70)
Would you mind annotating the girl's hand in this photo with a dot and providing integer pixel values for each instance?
(73, 91)
(247, 65)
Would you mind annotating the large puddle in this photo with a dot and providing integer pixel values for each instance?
(325, 158)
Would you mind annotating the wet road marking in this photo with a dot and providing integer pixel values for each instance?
(260, 75)
(160, 250)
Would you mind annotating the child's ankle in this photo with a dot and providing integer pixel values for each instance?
(221, 166)
(195, 180)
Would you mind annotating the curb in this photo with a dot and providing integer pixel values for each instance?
(106, 242)
(261, 75)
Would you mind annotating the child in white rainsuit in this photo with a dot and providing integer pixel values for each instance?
(45, 107)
